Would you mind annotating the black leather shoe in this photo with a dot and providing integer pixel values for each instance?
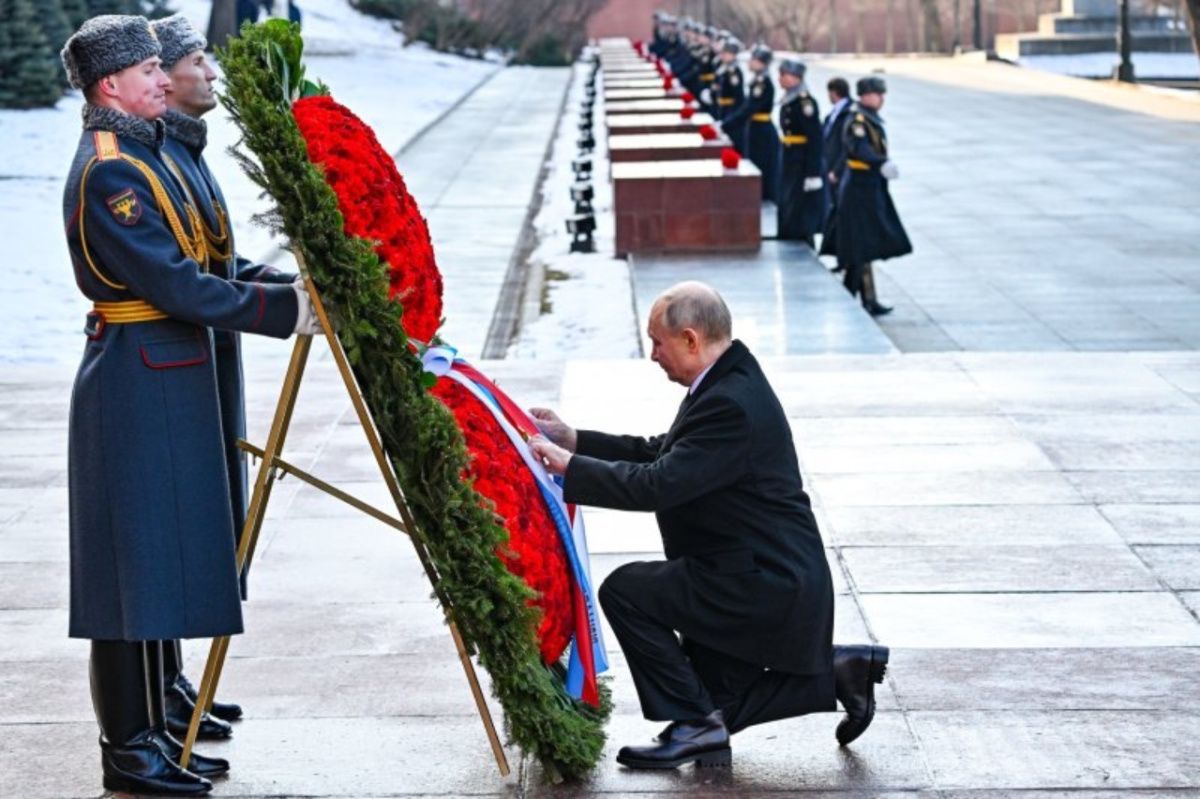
(140, 766)
(179, 708)
(704, 742)
(198, 764)
(856, 671)
(877, 309)
(225, 711)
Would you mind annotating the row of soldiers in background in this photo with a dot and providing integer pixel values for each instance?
(829, 177)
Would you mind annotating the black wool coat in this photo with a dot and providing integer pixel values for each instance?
(745, 572)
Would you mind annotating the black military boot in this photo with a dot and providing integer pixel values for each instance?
(173, 666)
(870, 300)
(202, 765)
(704, 742)
(131, 753)
(856, 671)
(179, 715)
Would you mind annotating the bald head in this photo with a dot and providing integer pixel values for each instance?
(698, 306)
(689, 329)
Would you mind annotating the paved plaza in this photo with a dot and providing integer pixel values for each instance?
(1006, 473)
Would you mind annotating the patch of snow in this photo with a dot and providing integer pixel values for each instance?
(397, 90)
(1175, 66)
(588, 309)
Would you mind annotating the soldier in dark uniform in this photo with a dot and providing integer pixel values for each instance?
(801, 199)
(834, 161)
(754, 116)
(191, 95)
(868, 227)
(730, 93)
(152, 540)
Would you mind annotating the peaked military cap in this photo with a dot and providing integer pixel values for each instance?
(105, 45)
(732, 45)
(177, 38)
(762, 53)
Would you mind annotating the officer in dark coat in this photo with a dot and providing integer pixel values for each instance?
(152, 540)
(192, 95)
(834, 161)
(754, 116)
(730, 93)
(801, 199)
(745, 583)
(868, 227)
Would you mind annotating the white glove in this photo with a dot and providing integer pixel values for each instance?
(889, 170)
(307, 323)
(706, 96)
(813, 184)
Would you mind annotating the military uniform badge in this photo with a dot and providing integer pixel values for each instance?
(125, 207)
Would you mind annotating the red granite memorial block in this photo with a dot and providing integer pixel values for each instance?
(666, 105)
(613, 95)
(632, 83)
(686, 206)
(663, 147)
(640, 124)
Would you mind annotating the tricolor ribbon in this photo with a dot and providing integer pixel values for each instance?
(588, 657)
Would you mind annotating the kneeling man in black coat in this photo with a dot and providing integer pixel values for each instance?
(735, 627)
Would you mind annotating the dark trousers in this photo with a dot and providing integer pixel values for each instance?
(682, 681)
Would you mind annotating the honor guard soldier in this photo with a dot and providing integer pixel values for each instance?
(801, 194)
(730, 93)
(835, 160)
(754, 117)
(868, 227)
(152, 539)
(192, 95)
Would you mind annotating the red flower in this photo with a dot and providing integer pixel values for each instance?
(668, 82)
(688, 97)
(707, 132)
(730, 158)
(376, 205)
(536, 553)
(687, 112)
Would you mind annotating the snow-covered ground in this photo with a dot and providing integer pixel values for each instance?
(587, 300)
(397, 90)
(1174, 66)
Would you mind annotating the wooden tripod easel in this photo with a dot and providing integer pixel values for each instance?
(273, 465)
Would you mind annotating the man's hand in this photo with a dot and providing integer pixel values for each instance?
(553, 457)
(889, 170)
(813, 184)
(554, 428)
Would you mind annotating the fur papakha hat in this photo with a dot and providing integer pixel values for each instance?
(105, 45)
(178, 38)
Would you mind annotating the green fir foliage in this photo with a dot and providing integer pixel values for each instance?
(454, 523)
(76, 11)
(57, 28)
(29, 67)
(97, 7)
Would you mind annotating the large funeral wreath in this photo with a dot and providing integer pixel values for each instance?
(345, 209)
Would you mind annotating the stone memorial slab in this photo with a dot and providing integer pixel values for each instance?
(686, 206)
(640, 124)
(664, 147)
(622, 95)
(664, 106)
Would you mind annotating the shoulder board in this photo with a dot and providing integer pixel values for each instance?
(106, 145)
